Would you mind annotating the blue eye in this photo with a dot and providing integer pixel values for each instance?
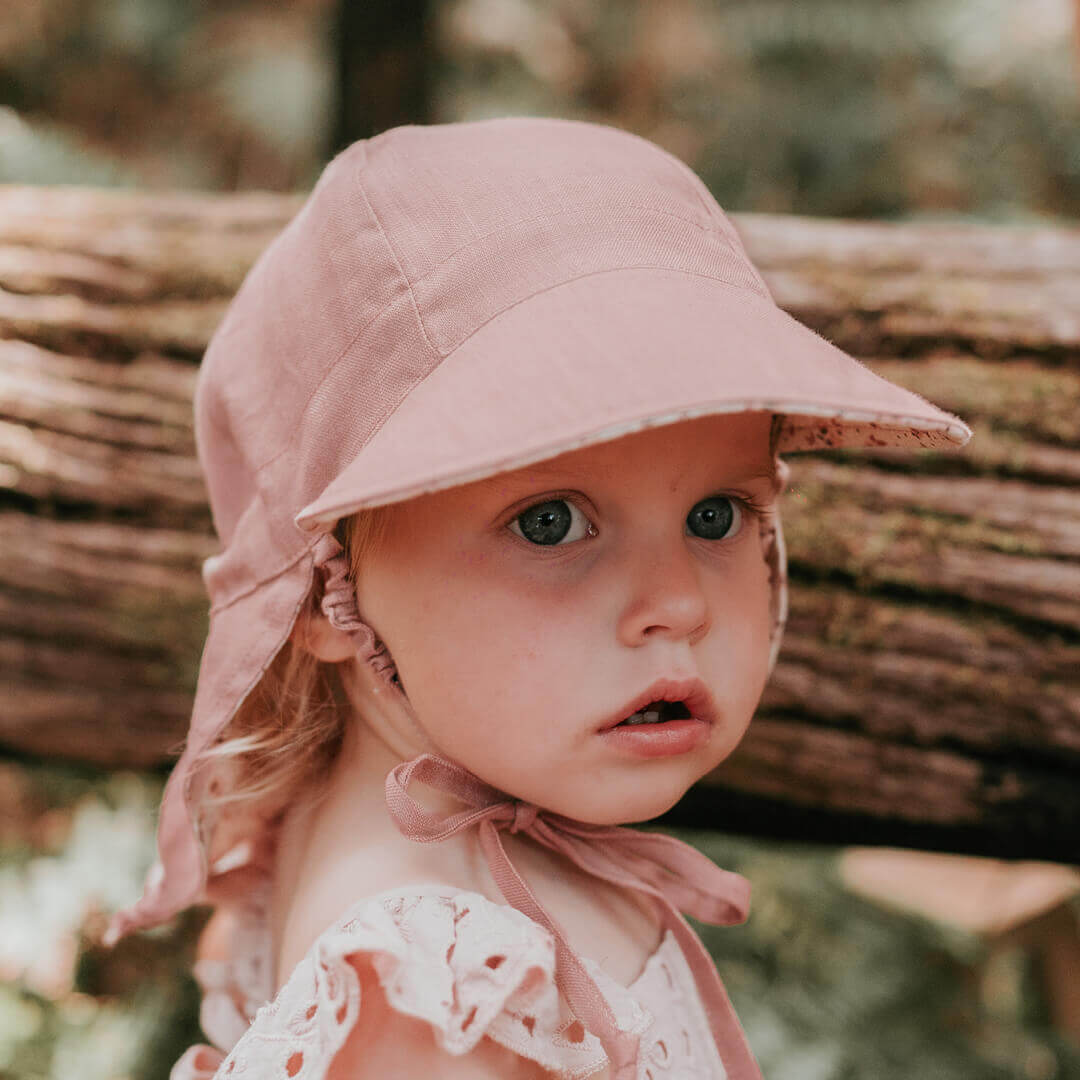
(712, 517)
(549, 523)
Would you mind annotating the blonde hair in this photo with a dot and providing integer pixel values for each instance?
(283, 739)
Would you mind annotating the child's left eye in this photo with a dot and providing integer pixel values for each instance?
(549, 523)
(719, 517)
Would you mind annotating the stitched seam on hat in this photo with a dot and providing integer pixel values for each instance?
(275, 573)
(709, 228)
(377, 426)
(716, 213)
(420, 322)
(256, 505)
(608, 270)
(401, 270)
(347, 348)
(557, 285)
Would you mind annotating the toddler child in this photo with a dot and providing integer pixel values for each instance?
(492, 436)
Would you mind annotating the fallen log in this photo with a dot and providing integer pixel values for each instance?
(928, 691)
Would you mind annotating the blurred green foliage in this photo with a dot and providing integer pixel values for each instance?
(958, 108)
(76, 846)
(831, 987)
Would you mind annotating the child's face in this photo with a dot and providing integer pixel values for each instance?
(515, 653)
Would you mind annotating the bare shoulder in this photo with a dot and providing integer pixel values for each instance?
(320, 898)
(385, 1043)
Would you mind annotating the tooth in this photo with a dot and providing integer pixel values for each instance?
(650, 717)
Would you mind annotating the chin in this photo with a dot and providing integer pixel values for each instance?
(647, 802)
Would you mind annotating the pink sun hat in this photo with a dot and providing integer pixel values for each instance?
(458, 300)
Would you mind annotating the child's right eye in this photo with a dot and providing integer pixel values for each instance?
(549, 523)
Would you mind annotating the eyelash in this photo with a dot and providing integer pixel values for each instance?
(749, 504)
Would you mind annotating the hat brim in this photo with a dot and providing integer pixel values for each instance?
(607, 354)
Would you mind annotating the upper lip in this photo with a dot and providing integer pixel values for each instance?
(692, 692)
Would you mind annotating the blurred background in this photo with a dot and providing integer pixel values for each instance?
(843, 108)
(854, 964)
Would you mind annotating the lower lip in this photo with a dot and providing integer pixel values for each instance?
(659, 740)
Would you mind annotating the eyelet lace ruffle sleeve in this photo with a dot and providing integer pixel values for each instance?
(468, 966)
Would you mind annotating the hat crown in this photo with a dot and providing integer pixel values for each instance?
(409, 242)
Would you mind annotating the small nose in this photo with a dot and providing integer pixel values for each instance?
(666, 597)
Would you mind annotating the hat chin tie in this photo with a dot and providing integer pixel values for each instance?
(339, 606)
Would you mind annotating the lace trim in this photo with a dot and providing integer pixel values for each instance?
(502, 986)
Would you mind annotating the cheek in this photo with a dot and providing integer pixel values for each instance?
(472, 653)
(748, 598)
(738, 642)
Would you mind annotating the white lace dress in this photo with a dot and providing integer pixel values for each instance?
(468, 966)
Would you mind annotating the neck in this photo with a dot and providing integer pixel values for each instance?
(346, 843)
(368, 754)
(343, 845)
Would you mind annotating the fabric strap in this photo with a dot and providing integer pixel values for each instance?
(676, 876)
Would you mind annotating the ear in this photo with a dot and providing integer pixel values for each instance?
(314, 633)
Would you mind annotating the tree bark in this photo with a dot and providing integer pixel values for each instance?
(928, 691)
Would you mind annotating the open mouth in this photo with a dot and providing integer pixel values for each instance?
(656, 712)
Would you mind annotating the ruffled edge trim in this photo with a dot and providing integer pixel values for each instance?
(338, 604)
(523, 988)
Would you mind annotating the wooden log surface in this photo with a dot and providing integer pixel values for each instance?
(928, 690)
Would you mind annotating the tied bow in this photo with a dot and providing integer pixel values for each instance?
(675, 875)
